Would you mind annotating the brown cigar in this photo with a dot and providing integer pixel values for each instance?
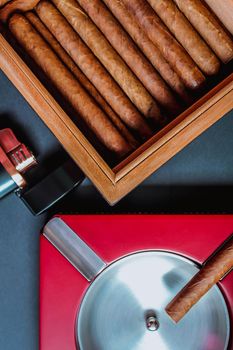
(213, 271)
(148, 48)
(126, 48)
(167, 44)
(186, 35)
(61, 77)
(209, 28)
(51, 40)
(91, 67)
(4, 2)
(109, 57)
(224, 11)
(17, 5)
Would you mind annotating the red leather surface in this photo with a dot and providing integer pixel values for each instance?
(112, 236)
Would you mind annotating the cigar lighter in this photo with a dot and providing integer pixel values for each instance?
(16, 160)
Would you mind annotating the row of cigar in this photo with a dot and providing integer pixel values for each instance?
(124, 66)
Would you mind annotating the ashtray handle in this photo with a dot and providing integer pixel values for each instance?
(73, 248)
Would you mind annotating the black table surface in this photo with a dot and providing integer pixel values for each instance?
(197, 180)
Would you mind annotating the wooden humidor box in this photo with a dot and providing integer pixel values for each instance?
(115, 183)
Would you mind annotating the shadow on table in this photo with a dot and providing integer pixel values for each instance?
(153, 199)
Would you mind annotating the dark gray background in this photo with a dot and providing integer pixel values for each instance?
(200, 178)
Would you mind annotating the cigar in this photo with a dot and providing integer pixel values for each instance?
(70, 88)
(167, 44)
(58, 49)
(102, 49)
(151, 51)
(215, 268)
(130, 53)
(208, 27)
(4, 2)
(15, 6)
(223, 9)
(92, 68)
(179, 26)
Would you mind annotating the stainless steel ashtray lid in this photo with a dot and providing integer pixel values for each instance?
(123, 308)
